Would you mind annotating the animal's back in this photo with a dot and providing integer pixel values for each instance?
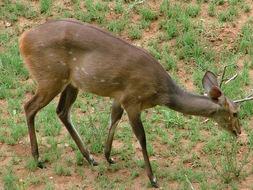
(68, 51)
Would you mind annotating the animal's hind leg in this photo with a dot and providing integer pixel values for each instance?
(67, 98)
(116, 114)
(41, 98)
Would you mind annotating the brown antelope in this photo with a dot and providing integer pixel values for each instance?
(65, 55)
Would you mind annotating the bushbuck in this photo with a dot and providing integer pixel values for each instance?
(66, 55)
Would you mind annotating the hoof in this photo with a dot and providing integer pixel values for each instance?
(155, 184)
(94, 163)
(40, 165)
(111, 161)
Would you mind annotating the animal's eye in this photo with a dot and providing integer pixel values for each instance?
(235, 114)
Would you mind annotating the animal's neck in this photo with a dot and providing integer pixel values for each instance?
(188, 103)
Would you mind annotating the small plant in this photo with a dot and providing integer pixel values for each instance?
(116, 26)
(35, 180)
(9, 179)
(115, 167)
(134, 33)
(246, 8)
(233, 2)
(219, 2)
(20, 8)
(170, 62)
(171, 11)
(148, 14)
(45, 6)
(246, 40)
(96, 10)
(68, 14)
(211, 11)
(51, 125)
(78, 14)
(155, 53)
(245, 73)
(144, 24)
(60, 170)
(228, 166)
(134, 174)
(50, 186)
(119, 7)
(228, 16)
(79, 158)
(192, 11)
(170, 27)
(186, 44)
(31, 164)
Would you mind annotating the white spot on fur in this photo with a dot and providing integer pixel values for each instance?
(91, 157)
(74, 58)
(83, 69)
(70, 52)
(49, 66)
(64, 81)
(154, 179)
(115, 83)
(51, 54)
(42, 44)
(139, 97)
(62, 63)
(103, 80)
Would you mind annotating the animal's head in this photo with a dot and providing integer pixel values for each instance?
(227, 113)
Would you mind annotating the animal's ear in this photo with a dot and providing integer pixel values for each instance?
(214, 92)
(209, 81)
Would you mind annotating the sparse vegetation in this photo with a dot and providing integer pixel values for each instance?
(188, 38)
(134, 33)
(45, 6)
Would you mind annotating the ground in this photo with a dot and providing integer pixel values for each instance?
(186, 152)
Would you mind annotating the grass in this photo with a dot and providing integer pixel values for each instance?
(184, 150)
(45, 6)
(11, 11)
(96, 10)
(134, 32)
(116, 26)
(148, 14)
(9, 179)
